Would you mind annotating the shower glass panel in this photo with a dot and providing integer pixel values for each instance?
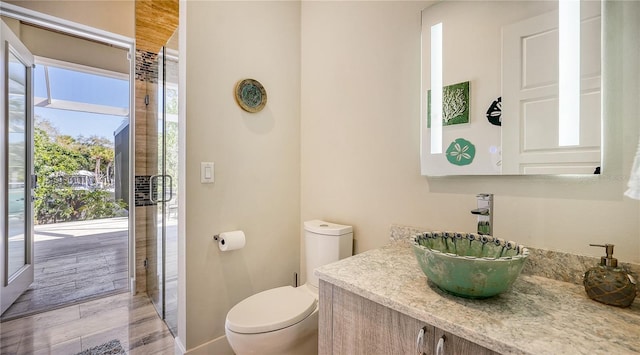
(170, 212)
(154, 262)
(162, 252)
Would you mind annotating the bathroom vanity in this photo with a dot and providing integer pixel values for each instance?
(352, 324)
(379, 302)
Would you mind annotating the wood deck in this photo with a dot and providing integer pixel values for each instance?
(75, 262)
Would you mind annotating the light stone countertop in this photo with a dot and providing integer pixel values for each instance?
(537, 316)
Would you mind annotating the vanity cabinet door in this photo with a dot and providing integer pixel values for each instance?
(445, 343)
(360, 326)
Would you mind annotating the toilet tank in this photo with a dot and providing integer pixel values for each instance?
(325, 243)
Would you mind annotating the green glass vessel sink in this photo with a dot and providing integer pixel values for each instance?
(468, 264)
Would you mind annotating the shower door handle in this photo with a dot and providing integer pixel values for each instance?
(164, 179)
(170, 188)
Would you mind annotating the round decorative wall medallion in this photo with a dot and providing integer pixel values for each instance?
(251, 95)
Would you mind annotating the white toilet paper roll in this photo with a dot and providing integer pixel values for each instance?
(231, 240)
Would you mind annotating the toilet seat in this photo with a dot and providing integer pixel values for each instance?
(271, 310)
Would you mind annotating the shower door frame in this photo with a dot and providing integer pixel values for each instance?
(53, 23)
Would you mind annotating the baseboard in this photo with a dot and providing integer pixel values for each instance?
(217, 346)
(179, 347)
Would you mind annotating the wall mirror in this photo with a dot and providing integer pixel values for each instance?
(511, 88)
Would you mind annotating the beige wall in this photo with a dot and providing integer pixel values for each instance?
(360, 146)
(115, 16)
(257, 156)
(13, 24)
(72, 49)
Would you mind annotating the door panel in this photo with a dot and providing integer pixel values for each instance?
(16, 258)
(447, 343)
(16, 173)
(170, 211)
(162, 271)
(530, 107)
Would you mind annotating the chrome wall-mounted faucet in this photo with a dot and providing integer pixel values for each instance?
(484, 213)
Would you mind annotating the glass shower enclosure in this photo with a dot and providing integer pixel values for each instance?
(162, 246)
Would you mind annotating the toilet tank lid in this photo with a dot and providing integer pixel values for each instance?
(326, 228)
(271, 310)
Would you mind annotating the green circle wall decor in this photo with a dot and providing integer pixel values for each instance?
(461, 152)
(251, 95)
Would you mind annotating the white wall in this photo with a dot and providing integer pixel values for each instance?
(257, 156)
(360, 146)
(360, 115)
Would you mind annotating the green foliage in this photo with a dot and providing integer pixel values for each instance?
(57, 156)
(171, 156)
(171, 101)
(62, 203)
(98, 204)
(51, 204)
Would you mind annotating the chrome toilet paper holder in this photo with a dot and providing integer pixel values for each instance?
(231, 240)
(217, 237)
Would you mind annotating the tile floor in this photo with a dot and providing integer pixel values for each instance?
(75, 262)
(69, 330)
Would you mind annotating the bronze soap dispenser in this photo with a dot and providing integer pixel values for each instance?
(609, 284)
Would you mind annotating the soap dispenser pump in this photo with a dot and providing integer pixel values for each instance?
(609, 284)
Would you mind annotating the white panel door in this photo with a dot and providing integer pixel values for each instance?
(16, 169)
(530, 97)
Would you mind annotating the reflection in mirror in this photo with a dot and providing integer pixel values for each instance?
(516, 88)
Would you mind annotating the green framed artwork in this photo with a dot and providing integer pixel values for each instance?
(455, 104)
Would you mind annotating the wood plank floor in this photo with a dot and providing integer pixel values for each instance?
(75, 262)
(130, 319)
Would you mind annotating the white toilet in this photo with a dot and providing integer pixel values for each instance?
(284, 320)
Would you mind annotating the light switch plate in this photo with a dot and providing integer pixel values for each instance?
(207, 174)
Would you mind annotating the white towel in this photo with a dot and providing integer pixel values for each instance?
(634, 179)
